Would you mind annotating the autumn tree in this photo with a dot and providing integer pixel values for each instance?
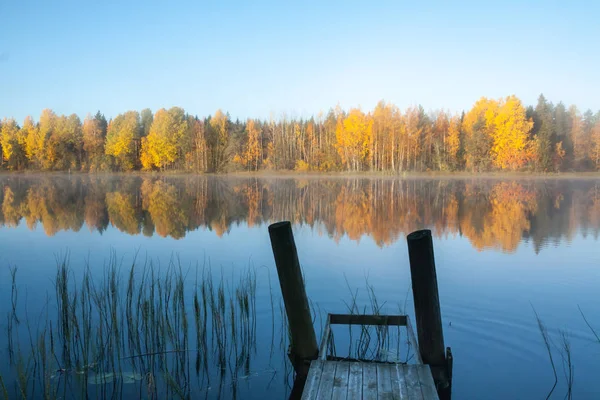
(165, 142)
(454, 144)
(440, 133)
(121, 139)
(218, 140)
(418, 138)
(54, 145)
(386, 137)
(330, 158)
(511, 147)
(478, 125)
(595, 137)
(353, 136)
(381, 121)
(492, 134)
(93, 142)
(310, 144)
(13, 144)
(299, 141)
(285, 143)
(29, 128)
(65, 148)
(251, 151)
(36, 140)
(195, 149)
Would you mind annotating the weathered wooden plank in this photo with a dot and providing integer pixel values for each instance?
(327, 376)
(355, 380)
(384, 382)
(428, 316)
(413, 387)
(369, 390)
(427, 384)
(303, 339)
(325, 339)
(355, 319)
(399, 383)
(340, 382)
(413, 342)
(311, 387)
(343, 380)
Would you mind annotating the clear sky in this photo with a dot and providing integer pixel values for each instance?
(259, 58)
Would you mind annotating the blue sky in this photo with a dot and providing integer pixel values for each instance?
(264, 58)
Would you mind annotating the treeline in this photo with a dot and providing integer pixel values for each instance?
(493, 135)
(489, 213)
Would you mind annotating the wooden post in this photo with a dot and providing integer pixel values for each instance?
(304, 342)
(427, 308)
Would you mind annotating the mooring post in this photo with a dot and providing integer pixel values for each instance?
(427, 310)
(304, 342)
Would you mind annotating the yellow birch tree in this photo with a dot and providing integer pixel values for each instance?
(453, 142)
(511, 142)
(353, 137)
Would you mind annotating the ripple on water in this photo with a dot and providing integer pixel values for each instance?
(502, 333)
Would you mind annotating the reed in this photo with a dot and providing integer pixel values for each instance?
(138, 325)
(564, 350)
(567, 361)
(546, 339)
(3, 389)
(373, 343)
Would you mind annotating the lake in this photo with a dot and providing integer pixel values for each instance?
(503, 247)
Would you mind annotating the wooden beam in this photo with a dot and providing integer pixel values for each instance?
(413, 342)
(325, 338)
(427, 306)
(357, 319)
(303, 342)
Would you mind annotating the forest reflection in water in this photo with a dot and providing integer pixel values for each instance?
(491, 213)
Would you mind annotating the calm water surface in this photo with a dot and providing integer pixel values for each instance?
(503, 248)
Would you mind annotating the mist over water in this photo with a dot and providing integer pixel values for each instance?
(502, 246)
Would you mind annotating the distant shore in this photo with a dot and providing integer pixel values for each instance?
(416, 175)
(286, 174)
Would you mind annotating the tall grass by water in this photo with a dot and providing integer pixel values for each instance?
(144, 330)
(379, 343)
(560, 344)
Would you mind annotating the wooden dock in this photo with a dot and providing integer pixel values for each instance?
(323, 376)
(337, 378)
(368, 380)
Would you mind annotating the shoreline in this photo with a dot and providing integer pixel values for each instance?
(289, 174)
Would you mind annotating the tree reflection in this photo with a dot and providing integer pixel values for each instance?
(491, 214)
(164, 205)
(123, 213)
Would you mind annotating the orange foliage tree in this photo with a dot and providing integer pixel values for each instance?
(353, 136)
(512, 146)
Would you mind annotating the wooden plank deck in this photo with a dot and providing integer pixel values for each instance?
(366, 380)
